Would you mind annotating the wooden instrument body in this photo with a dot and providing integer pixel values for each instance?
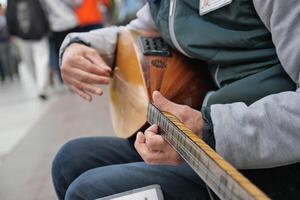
(136, 76)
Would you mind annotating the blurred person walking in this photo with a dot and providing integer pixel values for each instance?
(27, 21)
(127, 10)
(66, 16)
(89, 15)
(4, 47)
(62, 20)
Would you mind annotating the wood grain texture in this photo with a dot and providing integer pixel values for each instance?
(136, 76)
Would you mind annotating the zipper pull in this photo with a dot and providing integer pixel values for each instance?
(171, 12)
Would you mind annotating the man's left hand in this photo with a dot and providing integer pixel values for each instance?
(152, 147)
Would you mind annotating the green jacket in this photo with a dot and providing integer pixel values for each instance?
(233, 38)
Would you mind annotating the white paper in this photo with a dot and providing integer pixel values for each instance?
(207, 6)
(142, 195)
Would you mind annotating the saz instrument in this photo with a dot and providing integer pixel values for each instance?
(144, 63)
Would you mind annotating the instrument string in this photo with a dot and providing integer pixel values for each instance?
(129, 91)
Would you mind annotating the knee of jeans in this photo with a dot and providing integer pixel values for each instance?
(86, 187)
(64, 161)
(73, 192)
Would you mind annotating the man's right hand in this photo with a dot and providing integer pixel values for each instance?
(82, 69)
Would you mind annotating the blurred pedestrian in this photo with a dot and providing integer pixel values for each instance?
(54, 63)
(27, 20)
(4, 47)
(62, 20)
(89, 14)
(127, 10)
(14, 56)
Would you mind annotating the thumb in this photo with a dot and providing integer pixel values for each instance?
(140, 138)
(162, 103)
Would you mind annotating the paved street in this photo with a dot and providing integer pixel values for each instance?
(32, 131)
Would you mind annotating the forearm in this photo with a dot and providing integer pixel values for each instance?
(265, 134)
(208, 129)
(104, 40)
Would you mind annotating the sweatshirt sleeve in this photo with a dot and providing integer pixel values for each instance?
(104, 40)
(266, 133)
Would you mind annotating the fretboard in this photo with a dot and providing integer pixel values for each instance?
(218, 174)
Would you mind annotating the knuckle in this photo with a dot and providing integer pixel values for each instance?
(93, 51)
(185, 108)
(148, 130)
(149, 160)
(80, 86)
(89, 67)
(182, 114)
(84, 78)
(94, 90)
(149, 140)
(102, 80)
(76, 59)
(146, 134)
(152, 144)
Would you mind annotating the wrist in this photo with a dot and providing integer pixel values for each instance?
(70, 42)
(208, 132)
(199, 124)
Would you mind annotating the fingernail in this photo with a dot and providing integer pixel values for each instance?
(107, 68)
(139, 133)
(107, 81)
(154, 126)
(99, 92)
(140, 136)
(88, 98)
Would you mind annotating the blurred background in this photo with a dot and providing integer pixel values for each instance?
(37, 114)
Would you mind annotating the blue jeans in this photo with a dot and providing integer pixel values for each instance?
(91, 168)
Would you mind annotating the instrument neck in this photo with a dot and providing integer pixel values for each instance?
(219, 175)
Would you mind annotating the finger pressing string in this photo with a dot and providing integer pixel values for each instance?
(162, 103)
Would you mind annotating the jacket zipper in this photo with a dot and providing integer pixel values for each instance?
(216, 76)
(171, 27)
(175, 42)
